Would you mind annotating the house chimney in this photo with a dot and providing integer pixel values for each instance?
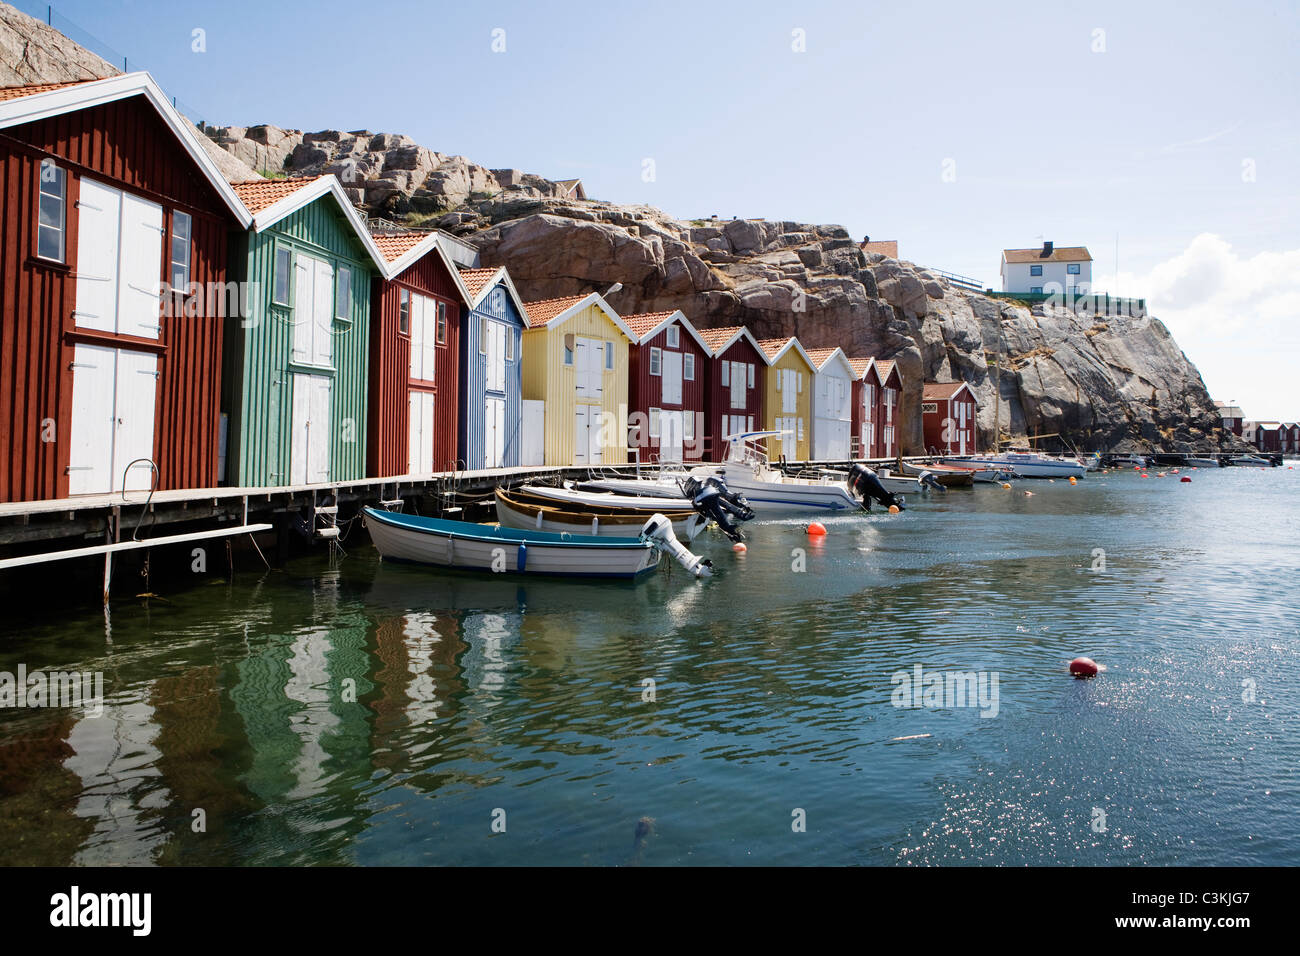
(1047, 251)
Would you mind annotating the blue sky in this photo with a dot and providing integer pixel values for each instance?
(1171, 128)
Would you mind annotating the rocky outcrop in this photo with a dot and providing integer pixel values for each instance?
(386, 174)
(1102, 382)
(33, 52)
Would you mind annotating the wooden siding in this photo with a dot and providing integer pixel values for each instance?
(388, 451)
(868, 446)
(473, 381)
(258, 386)
(546, 377)
(890, 449)
(645, 391)
(790, 360)
(719, 397)
(124, 145)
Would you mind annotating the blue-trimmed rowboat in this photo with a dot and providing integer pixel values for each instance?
(479, 547)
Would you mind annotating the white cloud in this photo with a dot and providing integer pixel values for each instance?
(1236, 318)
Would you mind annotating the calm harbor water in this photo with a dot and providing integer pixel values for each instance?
(379, 714)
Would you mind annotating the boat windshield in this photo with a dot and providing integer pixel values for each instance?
(747, 448)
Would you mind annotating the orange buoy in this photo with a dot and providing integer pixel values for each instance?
(1074, 480)
(739, 547)
(1186, 479)
(1006, 486)
(817, 528)
(893, 509)
(1084, 667)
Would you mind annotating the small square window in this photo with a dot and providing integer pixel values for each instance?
(442, 323)
(1035, 270)
(656, 361)
(672, 336)
(1036, 290)
(688, 366)
(52, 214)
(343, 293)
(283, 269)
(1072, 268)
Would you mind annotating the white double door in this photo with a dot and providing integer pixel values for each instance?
(421, 424)
(586, 436)
(119, 262)
(790, 438)
(309, 450)
(118, 287)
(494, 432)
(113, 399)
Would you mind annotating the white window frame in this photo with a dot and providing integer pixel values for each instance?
(404, 312)
(510, 343)
(483, 330)
(726, 374)
(688, 367)
(688, 426)
(440, 327)
(1072, 269)
(609, 356)
(173, 262)
(654, 421)
(749, 374)
(672, 336)
(342, 295)
(61, 230)
(656, 361)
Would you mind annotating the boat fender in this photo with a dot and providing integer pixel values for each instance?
(521, 559)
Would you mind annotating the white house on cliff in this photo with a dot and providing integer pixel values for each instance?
(1048, 269)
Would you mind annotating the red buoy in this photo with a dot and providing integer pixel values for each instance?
(1186, 479)
(739, 547)
(817, 529)
(1084, 667)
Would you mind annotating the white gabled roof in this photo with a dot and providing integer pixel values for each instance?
(742, 332)
(309, 193)
(430, 243)
(500, 276)
(792, 341)
(578, 304)
(79, 96)
(676, 316)
(837, 354)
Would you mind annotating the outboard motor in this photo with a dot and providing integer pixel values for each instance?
(928, 480)
(864, 483)
(659, 532)
(711, 499)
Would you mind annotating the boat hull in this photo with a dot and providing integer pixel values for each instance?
(950, 476)
(1203, 462)
(1028, 468)
(438, 543)
(526, 515)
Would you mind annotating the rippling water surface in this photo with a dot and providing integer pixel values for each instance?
(380, 714)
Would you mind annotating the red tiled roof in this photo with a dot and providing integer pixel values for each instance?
(643, 322)
(883, 368)
(259, 194)
(773, 346)
(819, 356)
(860, 365)
(396, 245)
(476, 279)
(938, 391)
(542, 311)
(18, 92)
(1059, 254)
(717, 338)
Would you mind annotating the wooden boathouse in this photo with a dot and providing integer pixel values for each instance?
(667, 365)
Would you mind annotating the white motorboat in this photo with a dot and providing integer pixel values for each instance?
(923, 483)
(1130, 461)
(1024, 464)
(597, 500)
(476, 547)
(746, 471)
(1202, 462)
(1250, 461)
